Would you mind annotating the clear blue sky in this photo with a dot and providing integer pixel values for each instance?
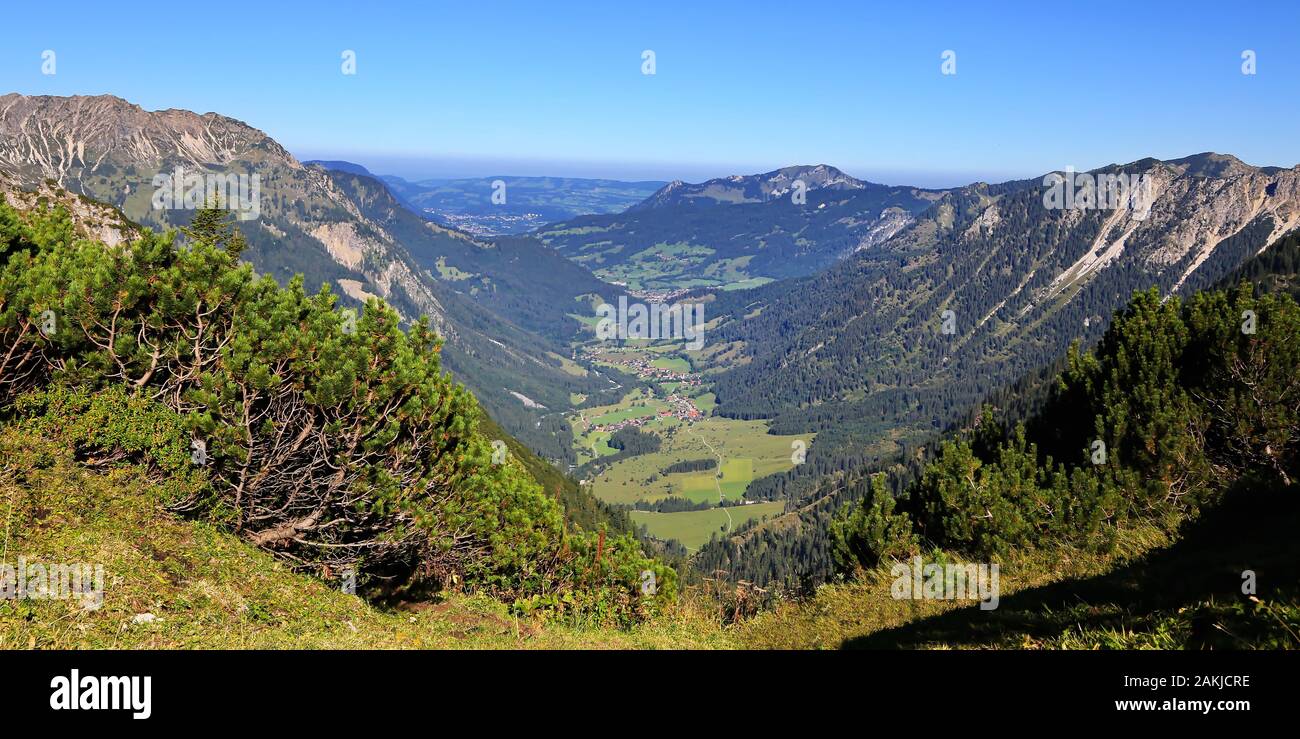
(500, 87)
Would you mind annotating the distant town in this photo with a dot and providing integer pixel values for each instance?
(657, 296)
(643, 368)
(489, 224)
(679, 406)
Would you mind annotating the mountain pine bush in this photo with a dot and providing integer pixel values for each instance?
(1178, 403)
(332, 437)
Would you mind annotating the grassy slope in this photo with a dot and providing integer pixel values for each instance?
(1153, 592)
(209, 589)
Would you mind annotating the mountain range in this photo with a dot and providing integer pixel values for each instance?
(1021, 280)
(983, 290)
(756, 188)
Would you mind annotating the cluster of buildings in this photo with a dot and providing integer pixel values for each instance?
(682, 408)
(659, 296)
(490, 224)
(617, 425)
(644, 369)
(679, 407)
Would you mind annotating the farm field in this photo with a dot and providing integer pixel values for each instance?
(748, 452)
(694, 528)
(636, 404)
(702, 487)
(748, 283)
(660, 266)
(741, 451)
(675, 364)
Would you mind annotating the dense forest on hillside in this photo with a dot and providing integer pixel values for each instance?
(1276, 269)
(1180, 403)
(871, 332)
(511, 298)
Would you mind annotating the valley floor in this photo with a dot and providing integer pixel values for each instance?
(678, 412)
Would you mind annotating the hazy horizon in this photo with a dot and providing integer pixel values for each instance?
(415, 168)
(692, 91)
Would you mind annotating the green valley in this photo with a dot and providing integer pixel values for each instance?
(695, 528)
(686, 472)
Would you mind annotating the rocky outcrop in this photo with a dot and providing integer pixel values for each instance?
(110, 150)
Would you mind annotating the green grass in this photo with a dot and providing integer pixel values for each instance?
(626, 408)
(664, 265)
(695, 528)
(623, 414)
(599, 442)
(748, 283)
(569, 366)
(449, 272)
(706, 402)
(588, 321)
(208, 589)
(673, 364)
(748, 452)
(1152, 591)
(737, 474)
(660, 266)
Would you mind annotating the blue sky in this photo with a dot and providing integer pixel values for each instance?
(501, 87)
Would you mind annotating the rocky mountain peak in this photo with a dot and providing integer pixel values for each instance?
(63, 138)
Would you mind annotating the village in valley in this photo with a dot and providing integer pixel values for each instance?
(644, 366)
(663, 375)
(629, 451)
(679, 407)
